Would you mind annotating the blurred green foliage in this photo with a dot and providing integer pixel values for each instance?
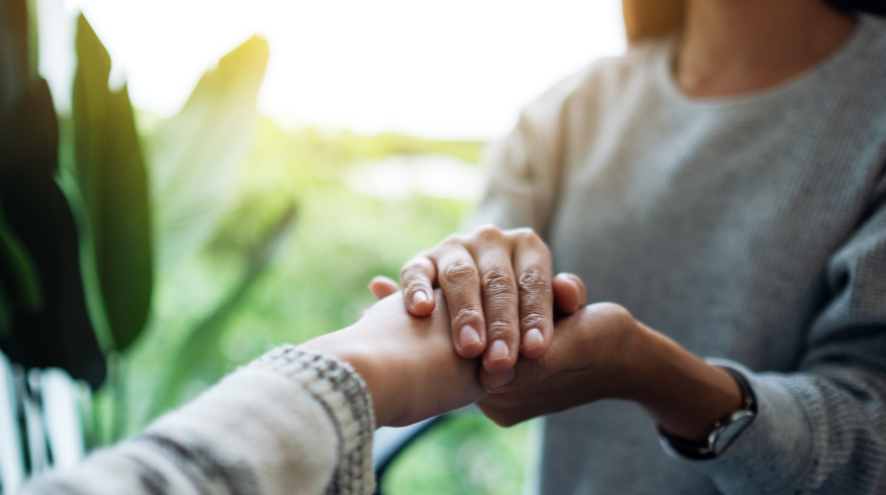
(203, 242)
(465, 455)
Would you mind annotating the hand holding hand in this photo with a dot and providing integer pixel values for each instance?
(587, 361)
(602, 352)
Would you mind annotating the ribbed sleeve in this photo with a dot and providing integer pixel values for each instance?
(291, 422)
(822, 429)
(342, 394)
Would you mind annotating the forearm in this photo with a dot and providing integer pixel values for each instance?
(683, 393)
(820, 431)
(383, 377)
(407, 362)
(291, 422)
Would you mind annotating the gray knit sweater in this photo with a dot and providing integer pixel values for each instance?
(290, 423)
(751, 229)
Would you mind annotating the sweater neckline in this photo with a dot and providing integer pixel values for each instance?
(664, 76)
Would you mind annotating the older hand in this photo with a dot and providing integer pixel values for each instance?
(602, 352)
(586, 362)
(500, 290)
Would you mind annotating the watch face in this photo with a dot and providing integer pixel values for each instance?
(730, 432)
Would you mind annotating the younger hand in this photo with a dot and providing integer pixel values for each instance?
(408, 363)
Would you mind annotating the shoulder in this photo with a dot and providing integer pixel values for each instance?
(604, 83)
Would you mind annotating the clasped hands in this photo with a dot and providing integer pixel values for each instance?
(502, 331)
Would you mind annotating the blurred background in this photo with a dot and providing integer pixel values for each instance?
(331, 148)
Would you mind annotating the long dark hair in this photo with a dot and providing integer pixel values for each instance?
(872, 6)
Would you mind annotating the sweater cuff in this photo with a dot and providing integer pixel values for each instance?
(772, 453)
(343, 394)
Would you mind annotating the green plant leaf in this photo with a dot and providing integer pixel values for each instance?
(199, 355)
(195, 156)
(36, 211)
(113, 181)
(18, 275)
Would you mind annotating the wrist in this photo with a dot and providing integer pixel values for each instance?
(376, 372)
(684, 394)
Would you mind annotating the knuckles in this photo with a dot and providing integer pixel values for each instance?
(460, 272)
(498, 282)
(413, 285)
(524, 234)
(467, 315)
(611, 312)
(533, 281)
(489, 233)
(502, 327)
(453, 241)
(533, 320)
(413, 269)
(529, 237)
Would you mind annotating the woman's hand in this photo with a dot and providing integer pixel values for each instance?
(408, 363)
(500, 290)
(587, 361)
(602, 352)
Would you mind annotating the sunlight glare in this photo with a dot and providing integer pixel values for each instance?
(455, 69)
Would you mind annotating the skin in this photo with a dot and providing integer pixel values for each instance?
(738, 47)
(501, 291)
(500, 282)
(408, 364)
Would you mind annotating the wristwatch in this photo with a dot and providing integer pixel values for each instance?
(725, 431)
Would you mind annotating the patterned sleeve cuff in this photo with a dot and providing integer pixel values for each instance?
(342, 393)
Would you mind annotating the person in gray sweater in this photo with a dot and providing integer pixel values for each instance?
(724, 187)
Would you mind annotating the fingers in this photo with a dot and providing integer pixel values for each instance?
(500, 300)
(382, 287)
(499, 287)
(569, 293)
(560, 356)
(532, 267)
(527, 372)
(460, 282)
(417, 278)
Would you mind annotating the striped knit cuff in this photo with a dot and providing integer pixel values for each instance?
(342, 393)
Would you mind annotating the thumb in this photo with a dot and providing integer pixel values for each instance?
(569, 293)
(383, 287)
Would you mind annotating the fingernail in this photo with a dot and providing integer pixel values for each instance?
(468, 337)
(499, 351)
(419, 297)
(499, 380)
(533, 339)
